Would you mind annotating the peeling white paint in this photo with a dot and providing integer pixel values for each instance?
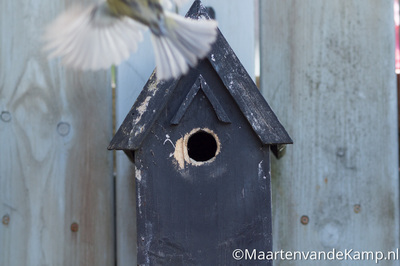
(139, 200)
(141, 109)
(138, 174)
(212, 57)
(168, 140)
(153, 87)
(261, 170)
(138, 131)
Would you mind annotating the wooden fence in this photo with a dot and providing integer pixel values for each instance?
(60, 201)
(327, 69)
(328, 72)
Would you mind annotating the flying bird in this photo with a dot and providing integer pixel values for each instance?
(104, 34)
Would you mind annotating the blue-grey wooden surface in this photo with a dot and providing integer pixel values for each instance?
(327, 69)
(55, 170)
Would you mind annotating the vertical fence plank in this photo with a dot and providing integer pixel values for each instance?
(236, 22)
(327, 69)
(131, 77)
(55, 170)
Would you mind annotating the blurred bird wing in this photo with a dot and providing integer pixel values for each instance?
(92, 38)
(166, 4)
(185, 42)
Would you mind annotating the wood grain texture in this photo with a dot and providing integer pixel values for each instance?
(198, 212)
(237, 82)
(55, 125)
(327, 70)
(235, 19)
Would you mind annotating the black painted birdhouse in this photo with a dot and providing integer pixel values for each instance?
(201, 147)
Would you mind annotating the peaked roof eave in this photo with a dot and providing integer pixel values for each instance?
(246, 94)
(242, 88)
(237, 81)
(143, 114)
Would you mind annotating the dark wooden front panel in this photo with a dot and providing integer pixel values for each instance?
(198, 215)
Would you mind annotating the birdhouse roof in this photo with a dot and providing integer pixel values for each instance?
(236, 80)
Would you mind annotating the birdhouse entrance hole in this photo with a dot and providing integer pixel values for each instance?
(199, 146)
(202, 146)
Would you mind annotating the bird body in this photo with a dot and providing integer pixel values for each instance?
(106, 33)
(147, 12)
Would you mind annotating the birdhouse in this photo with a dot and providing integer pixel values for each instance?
(201, 148)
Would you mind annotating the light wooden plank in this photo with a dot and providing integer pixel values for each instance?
(55, 170)
(327, 69)
(236, 22)
(131, 77)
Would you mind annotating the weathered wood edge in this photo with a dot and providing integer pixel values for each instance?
(197, 10)
(242, 88)
(246, 94)
(235, 78)
(137, 122)
(219, 110)
(186, 103)
(200, 83)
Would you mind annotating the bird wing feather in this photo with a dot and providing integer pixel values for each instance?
(184, 42)
(92, 38)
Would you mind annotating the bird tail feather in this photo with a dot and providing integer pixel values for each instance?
(182, 44)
